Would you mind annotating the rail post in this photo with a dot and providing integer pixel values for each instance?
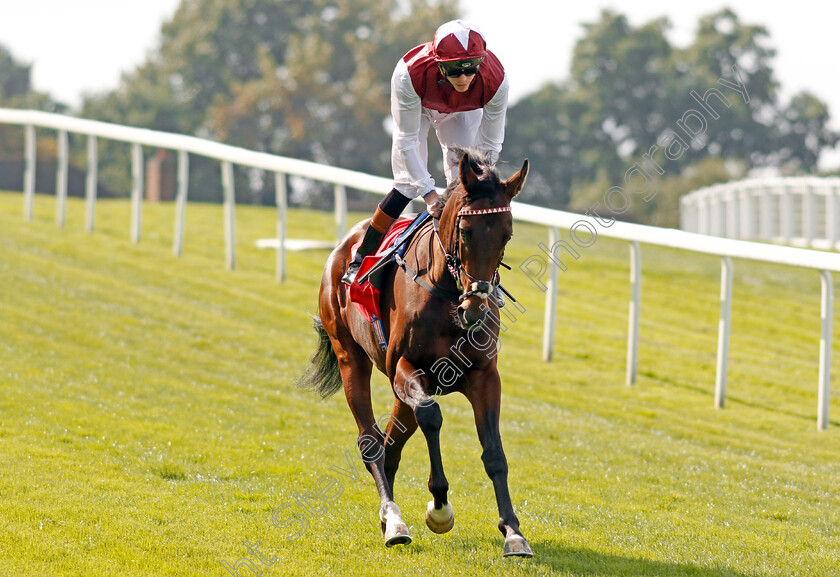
(281, 194)
(826, 314)
(635, 311)
(181, 201)
(91, 179)
(136, 191)
(230, 215)
(724, 326)
(29, 173)
(550, 299)
(340, 211)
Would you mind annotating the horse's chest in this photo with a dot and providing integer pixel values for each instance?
(450, 353)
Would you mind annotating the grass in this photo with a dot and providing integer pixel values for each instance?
(149, 425)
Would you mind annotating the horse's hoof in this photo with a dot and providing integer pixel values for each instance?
(397, 534)
(517, 546)
(440, 520)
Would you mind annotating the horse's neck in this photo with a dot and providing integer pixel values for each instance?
(431, 257)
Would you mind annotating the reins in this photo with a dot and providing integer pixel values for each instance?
(434, 288)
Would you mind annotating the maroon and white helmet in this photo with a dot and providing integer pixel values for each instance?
(459, 41)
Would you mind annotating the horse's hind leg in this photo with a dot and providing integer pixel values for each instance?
(401, 426)
(355, 368)
(409, 388)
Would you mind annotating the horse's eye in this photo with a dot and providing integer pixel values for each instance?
(466, 233)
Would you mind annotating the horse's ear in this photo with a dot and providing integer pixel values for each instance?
(469, 170)
(515, 183)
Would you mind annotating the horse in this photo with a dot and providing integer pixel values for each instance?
(441, 319)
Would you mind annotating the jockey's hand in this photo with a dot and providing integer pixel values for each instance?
(432, 203)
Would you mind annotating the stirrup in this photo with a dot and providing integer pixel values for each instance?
(352, 271)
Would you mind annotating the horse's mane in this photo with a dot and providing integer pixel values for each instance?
(486, 171)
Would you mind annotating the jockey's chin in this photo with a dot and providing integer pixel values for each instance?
(462, 83)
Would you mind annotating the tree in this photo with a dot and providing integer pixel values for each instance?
(629, 89)
(561, 134)
(623, 74)
(14, 76)
(725, 48)
(804, 133)
(308, 79)
(16, 92)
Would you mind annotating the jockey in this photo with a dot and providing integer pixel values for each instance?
(456, 85)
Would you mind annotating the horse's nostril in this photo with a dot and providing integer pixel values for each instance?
(462, 316)
(469, 317)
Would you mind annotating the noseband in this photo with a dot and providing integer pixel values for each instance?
(479, 288)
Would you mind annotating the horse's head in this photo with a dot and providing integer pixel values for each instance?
(475, 226)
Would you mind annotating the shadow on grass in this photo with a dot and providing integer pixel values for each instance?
(709, 392)
(588, 562)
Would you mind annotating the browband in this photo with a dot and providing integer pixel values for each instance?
(469, 212)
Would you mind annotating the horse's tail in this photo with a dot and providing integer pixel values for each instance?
(322, 375)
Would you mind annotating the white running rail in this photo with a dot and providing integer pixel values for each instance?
(801, 210)
(555, 220)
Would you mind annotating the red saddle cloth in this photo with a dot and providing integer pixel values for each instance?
(366, 296)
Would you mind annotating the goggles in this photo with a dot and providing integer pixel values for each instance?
(456, 68)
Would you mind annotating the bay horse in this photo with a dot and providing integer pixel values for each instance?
(433, 309)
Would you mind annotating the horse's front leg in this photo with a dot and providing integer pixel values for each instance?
(409, 387)
(485, 395)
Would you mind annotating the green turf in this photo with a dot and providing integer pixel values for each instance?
(149, 425)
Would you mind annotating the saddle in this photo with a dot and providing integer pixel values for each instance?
(364, 292)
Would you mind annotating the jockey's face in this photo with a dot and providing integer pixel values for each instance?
(460, 75)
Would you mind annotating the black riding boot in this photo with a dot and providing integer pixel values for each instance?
(386, 213)
(369, 244)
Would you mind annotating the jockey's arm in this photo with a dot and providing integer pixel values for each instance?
(411, 175)
(491, 132)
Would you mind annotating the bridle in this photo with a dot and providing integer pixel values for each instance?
(479, 288)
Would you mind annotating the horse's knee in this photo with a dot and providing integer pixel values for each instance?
(429, 417)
